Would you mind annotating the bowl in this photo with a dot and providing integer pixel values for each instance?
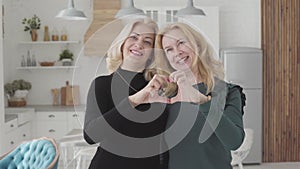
(47, 63)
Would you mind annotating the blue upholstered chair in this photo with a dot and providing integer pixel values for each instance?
(39, 153)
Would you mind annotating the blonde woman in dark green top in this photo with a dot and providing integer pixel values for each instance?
(205, 117)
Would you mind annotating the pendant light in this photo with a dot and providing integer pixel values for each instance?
(128, 9)
(190, 10)
(71, 13)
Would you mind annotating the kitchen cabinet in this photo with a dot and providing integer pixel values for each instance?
(208, 25)
(56, 124)
(16, 136)
(51, 124)
(75, 120)
(17, 127)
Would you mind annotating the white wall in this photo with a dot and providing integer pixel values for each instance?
(1, 84)
(239, 25)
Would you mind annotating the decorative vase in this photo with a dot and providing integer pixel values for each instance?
(66, 62)
(34, 34)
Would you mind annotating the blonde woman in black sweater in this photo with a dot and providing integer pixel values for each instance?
(124, 112)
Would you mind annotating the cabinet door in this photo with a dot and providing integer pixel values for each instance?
(75, 120)
(11, 125)
(12, 139)
(53, 129)
(51, 124)
(24, 132)
(51, 116)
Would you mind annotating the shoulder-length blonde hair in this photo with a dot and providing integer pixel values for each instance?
(208, 67)
(114, 54)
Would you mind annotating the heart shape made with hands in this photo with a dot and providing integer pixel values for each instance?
(168, 89)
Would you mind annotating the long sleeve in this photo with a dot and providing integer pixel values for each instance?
(98, 118)
(103, 117)
(230, 129)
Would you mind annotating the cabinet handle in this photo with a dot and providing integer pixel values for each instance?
(51, 131)
(12, 142)
(24, 135)
(75, 115)
(51, 116)
(11, 125)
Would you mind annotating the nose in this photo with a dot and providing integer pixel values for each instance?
(139, 43)
(177, 52)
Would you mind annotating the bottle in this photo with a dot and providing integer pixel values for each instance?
(33, 61)
(28, 58)
(23, 62)
(64, 36)
(46, 34)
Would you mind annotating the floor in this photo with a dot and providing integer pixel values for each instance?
(288, 165)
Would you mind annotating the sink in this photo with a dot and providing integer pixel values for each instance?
(23, 114)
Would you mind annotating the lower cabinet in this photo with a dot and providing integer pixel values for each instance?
(17, 135)
(51, 124)
(75, 120)
(57, 124)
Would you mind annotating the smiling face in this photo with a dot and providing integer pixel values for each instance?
(178, 49)
(138, 47)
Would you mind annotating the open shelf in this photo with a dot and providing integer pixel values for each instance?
(47, 42)
(46, 67)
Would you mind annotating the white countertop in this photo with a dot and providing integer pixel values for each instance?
(47, 108)
(11, 112)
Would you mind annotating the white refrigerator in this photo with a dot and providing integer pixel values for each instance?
(243, 66)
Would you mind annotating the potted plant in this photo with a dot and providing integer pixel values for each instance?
(66, 56)
(32, 25)
(16, 92)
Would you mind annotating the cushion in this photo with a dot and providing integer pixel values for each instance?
(37, 154)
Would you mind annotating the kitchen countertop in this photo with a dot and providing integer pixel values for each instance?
(47, 108)
(41, 108)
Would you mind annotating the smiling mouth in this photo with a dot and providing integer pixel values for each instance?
(182, 60)
(136, 53)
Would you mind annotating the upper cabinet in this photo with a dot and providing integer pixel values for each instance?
(208, 25)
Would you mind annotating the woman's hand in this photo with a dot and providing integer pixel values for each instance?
(149, 94)
(186, 92)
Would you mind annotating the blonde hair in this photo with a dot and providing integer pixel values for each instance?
(208, 67)
(114, 54)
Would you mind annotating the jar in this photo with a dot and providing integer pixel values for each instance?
(55, 36)
(63, 35)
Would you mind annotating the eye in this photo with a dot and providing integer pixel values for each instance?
(148, 42)
(168, 50)
(181, 42)
(133, 37)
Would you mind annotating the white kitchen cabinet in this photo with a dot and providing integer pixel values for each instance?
(17, 135)
(208, 25)
(24, 131)
(11, 125)
(56, 124)
(17, 127)
(75, 120)
(51, 124)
